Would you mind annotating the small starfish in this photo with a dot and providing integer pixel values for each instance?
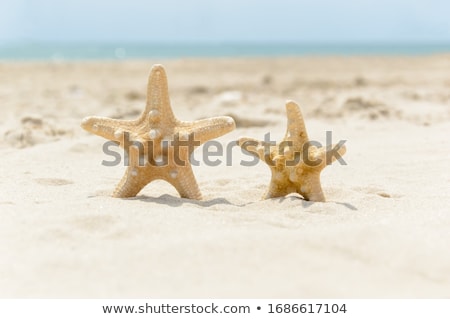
(295, 162)
(158, 145)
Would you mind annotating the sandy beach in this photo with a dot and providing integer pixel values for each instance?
(384, 231)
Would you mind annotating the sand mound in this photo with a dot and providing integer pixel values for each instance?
(32, 130)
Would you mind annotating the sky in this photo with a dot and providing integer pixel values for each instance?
(299, 21)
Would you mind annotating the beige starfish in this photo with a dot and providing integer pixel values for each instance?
(295, 163)
(158, 144)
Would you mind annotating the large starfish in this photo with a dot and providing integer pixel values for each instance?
(295, 162)
(157, 143)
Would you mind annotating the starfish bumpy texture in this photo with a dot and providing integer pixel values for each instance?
(295, 162)
(157, 143)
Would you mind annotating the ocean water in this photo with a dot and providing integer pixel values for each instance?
(119, 51)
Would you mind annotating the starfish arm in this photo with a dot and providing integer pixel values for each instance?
(324, 156)
(296, 129)
(110, 129)
(339, 148)
(275, 190)
(207, 129)
(158, 101)
(185, 183)
(135, 177)
(252, 146)
(131, 183)
(311, 189)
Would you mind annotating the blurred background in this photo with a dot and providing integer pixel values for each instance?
(86, 29)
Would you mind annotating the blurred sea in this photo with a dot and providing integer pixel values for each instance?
(118, 51)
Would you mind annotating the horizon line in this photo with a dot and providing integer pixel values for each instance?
(228, 42)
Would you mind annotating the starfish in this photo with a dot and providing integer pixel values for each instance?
(295, 162)
(158, 145)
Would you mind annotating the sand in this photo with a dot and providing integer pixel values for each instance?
(384, 232)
